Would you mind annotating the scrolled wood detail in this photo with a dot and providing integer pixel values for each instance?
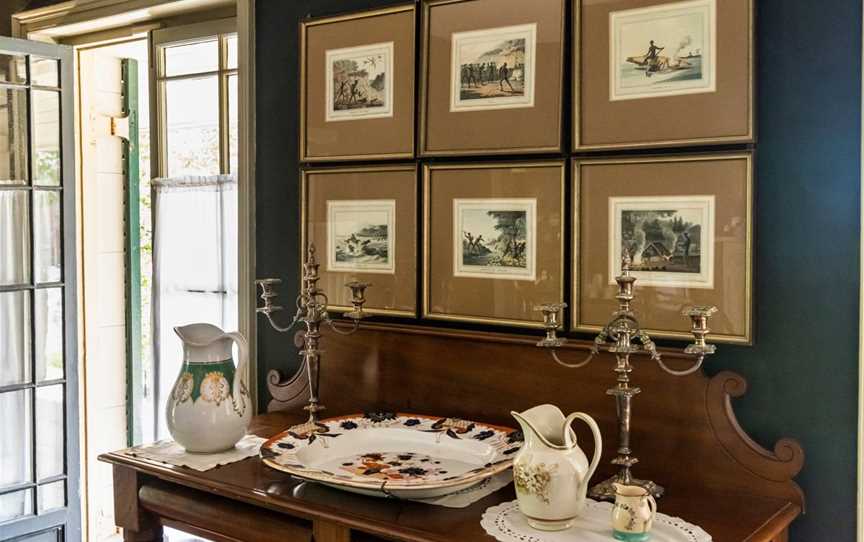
(780, 466)
(287, 393)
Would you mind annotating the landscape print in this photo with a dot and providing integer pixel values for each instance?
(359, 82)
(669, 241)
(663, 50)
(495, 238)
(361, 236)
(493, 68)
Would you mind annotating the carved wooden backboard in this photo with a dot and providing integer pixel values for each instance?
(684, 430)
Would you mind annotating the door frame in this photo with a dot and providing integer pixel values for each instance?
(66, 14)
(69, 517)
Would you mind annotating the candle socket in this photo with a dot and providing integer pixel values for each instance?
(358, 298)
(551, 323)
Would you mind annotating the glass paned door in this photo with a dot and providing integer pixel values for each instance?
(38, 358)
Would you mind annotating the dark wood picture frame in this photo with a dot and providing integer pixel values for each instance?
(675, 175)
(730, 108)
(544, 118)
(468, 289)
(392, 293)
(350, 139)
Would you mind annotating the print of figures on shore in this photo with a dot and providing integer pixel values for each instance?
(663, 50)
(493, 68)
(361, 236)
(494, 238)
(669, 240)
(359, 82)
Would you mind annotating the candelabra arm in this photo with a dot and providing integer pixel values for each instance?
(279, 328)
(354, 327)
(698, 365)
(583, 363)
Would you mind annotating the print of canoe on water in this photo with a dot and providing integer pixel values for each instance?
(660, 64)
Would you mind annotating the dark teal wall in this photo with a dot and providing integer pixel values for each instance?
(803, 369)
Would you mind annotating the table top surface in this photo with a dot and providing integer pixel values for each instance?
(728, 518)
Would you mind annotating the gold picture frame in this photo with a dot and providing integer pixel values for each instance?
(394, 40)
(548, 16)
(718, 185)
(534, 189)
(734, 76)
(369, 191)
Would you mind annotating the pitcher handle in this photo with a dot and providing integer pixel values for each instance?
(240, 384)
(652, 505)
(598, 441)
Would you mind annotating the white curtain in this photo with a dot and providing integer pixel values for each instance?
(194, 266)
(15, 430)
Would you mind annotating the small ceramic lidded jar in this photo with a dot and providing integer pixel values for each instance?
(209, 408)
(633, 513)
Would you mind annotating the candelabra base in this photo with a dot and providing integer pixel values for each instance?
(605, 491)
(313, 409)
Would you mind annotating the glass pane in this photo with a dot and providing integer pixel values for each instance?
(192, 58)
(13, 69)
(231, 52)
(48, 344)
(46, 137)
(49, 431)
(54, 535)
(16, 438)
(16, 505)
(14, 237)
(13, 136)
(15, 344)
(233, 124)
(45, 71)
(51, 496)
(47, 239)
(192, 114)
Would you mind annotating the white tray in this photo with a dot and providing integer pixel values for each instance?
(394, 455)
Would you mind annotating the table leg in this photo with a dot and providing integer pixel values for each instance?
(137, 524)
(324, 531)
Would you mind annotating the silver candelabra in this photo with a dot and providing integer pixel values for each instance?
(312, 312)
(623, 336)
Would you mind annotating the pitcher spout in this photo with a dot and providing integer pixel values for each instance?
(546, 423)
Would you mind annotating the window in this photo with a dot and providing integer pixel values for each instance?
(195, 197)
(196, 74)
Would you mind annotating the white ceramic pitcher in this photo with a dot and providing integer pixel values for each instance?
(550, 472)
(209, 407)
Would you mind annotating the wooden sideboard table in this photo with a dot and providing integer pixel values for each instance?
(684, 431)
(250, 502)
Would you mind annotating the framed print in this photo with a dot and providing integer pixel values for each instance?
(654, 73)
(361, 236)
(363, 222)
(491, 79)
(359, 82)
(492, 257)
(493, 68)
(493, 241)
(357, 86)
(684, 223)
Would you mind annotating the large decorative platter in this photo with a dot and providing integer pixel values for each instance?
(394, 455)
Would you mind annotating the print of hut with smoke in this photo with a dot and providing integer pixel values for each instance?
(661, 241)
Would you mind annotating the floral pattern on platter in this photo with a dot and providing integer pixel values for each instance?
(533, 479)
(408, 468)
(394, 466)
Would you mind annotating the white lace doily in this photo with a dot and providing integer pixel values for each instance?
(168, 451)
(470, 495)
(507, 524)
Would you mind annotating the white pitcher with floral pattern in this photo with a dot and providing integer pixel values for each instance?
(209, 407)
(550, 472)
